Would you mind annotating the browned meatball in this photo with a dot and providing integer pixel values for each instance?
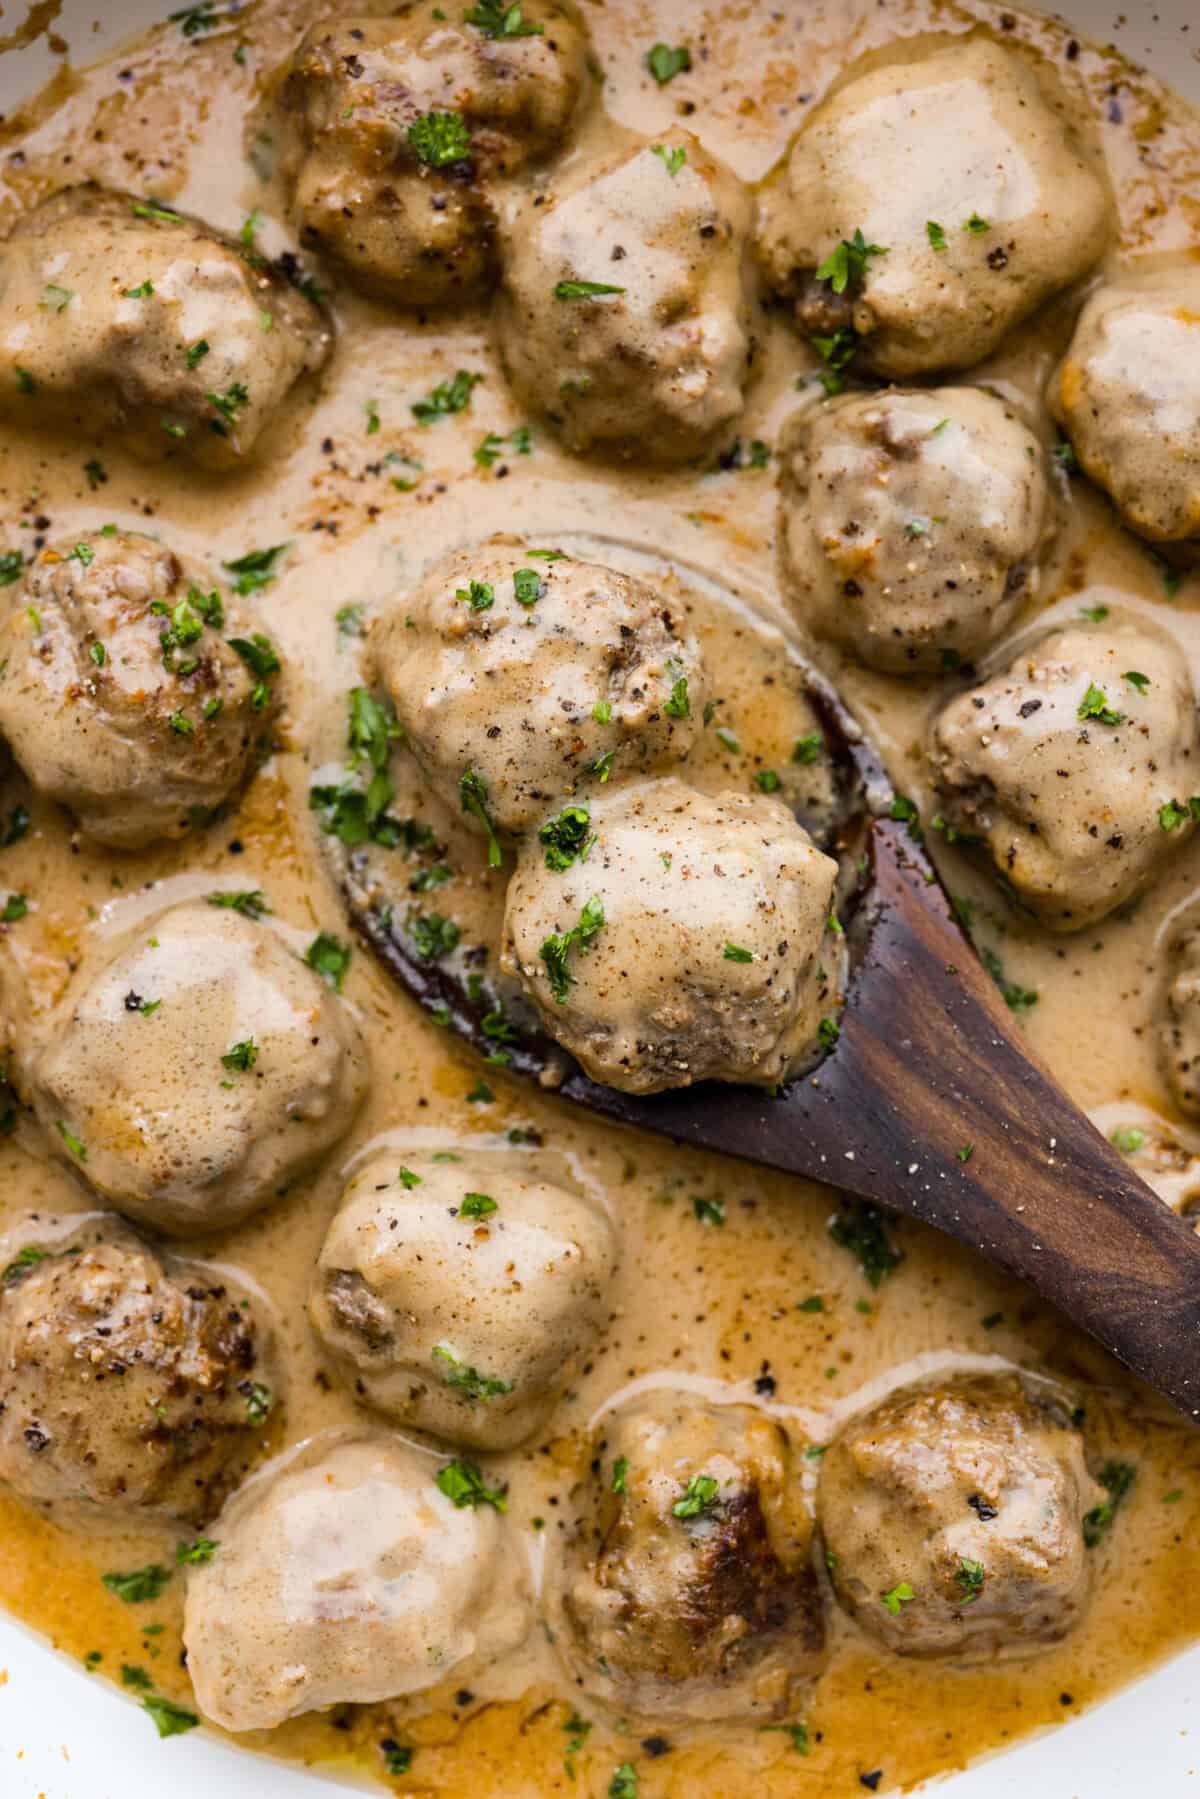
(953, 1520)
(120, 315)
(132, 691)
(686, 1587)
(128, 1385)
(395, 131)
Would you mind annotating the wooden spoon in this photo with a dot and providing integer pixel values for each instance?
(928, 1062)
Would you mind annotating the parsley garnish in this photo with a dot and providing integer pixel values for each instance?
(73, 1143)
(1117, 1479)
(251, 903)
(446, 398)
(440, 138)
(433, 936)
(528, 586)
(699, 1496)
(673, 156)
(620, 1475)
(860, 1229)
(1127, 1138)
(139, 1585)
(495, 19)
(467, 1380)
(464, 1485)
(477, 1205)
(556, 949)
(735, 953)
(12, 562)
(900, 1595)
(664, 63)
(256, 568)
(1094, 704)
(935, 234)
(472, 790)
(330, 958)
(170, 1720)
(847, 265)
(195, 1553)
(970, 1577)
(242, 1056)
(584, 290)
(566, 837)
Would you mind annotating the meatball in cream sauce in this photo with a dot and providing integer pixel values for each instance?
(134, 690)
(131, 1385)
(459, 1294)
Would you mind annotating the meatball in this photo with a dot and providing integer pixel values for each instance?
(930, 204)
(131, 1385)
(346, 1575)
(953, 1520)
(196, 1069)
(459, 1296)
(690, 944)
(395, 132)
(120, 315)
(518, 677)
(1128, 393)
(1179, 1024)
(131, 690)
(1074, 766)
(913, 524)
(685, 1587)
(625, 311)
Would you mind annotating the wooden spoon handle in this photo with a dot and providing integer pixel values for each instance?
(932, 1105)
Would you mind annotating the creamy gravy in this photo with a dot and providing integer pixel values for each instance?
(713, 1307)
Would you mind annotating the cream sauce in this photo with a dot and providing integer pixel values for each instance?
(716, 1309)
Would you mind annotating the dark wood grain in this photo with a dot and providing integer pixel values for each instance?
(929, 1060)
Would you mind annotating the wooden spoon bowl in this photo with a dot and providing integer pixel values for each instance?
(929, 1103)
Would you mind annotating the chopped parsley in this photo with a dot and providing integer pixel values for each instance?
(665, 62)
(259, 1400)
(440, 138)
(56, 299)
(196, 353)
(480, 596)
(708, 1211)
(433, 936)
(1127, 1138)
(970, 1577)
(464, 1485)
(735, 953)
(467, 1380)
(584, 290)
(73, 1143)
(807, 749)
(566, 838)
(1016, 997)
(901, 1595)
(620, 1475)
(477, 1205)
(767, 780)
(1117, 1479)
(139, 1585)
(136, 1678)
(847, 265)
(1136, 680)
(556, 949)
(15, 907)
(678, 705)
(528, 586)
(242, 1057)
(1094, 704)
(446, 398)
(860, 1229)
(495, 19)
(195, 1553)
(12, 562)
(170, 1720)
(141, 292)
(330, 958)
(255, 569)
(672, 156)
(250, 902)
(936, 234)
(472, 791)
(26, 1258)
(828, 1032)
(976, 226)
(699, 1496)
